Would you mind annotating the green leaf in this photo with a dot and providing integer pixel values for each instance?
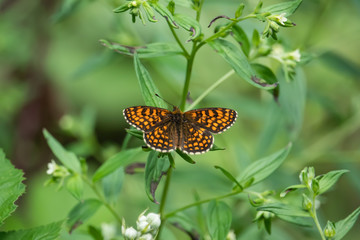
(186, 224)
(95, 233)
(147, 86)
(82, 212)
(136, 133)
(342, 64)
(149, 11)
(67, 158)
(189, 24)
(301, 221)
(239, 62)
(11, 187)
(286, 7)
(291, 189)
(148, 51)
(47, 232)
(240, 36)
(67, 8)
(122, 8)
(120, 159)
(112, 183)
(267, 74)
(229, 176)
(75, 186)
(284, 209)
(185, 156)
(156, 166)
(218, 219)
(343, 226)
(326, 181)
(163, 11)
(262, 168)
(239, 10)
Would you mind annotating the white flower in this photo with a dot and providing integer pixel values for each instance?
(281, 18)
(51, 167)
(143, 226)
(154, 220)
(231, 235)
(108, 231)
(147, 236)
(130, 233)
(295, 55)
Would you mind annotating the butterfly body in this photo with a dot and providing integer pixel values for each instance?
(190, 131)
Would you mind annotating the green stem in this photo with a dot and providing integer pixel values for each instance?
(102, 199)
(211, 88)
(316, 220)
(189, 67)
(186, 54)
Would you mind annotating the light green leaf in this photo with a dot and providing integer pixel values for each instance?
(240, 36)
(67, 158)
(163, 11)
(301, 221)
(46, 232)
(291, 189)
(11, 187)
(189, 24)
(147, 86)
(75, 186)
(343, 226)
(82, 212)
(229, 176)
(120, 159)
(284, 209)
(148, 51)
(326, 181)
(218, 219)
(186, 224)
(262, 168)
(156, 166)
(239, 63)
(286, 7)
(112, 183)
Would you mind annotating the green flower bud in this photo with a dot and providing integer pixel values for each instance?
(330, 230)
(315, 186)
(307, 203)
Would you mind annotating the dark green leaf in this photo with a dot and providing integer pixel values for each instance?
(46, 232)
(239, 62)
(148, 51)
(343, 226)
(262, 168)
(147, 86)
(291, 189)
(326, 181)
(121, 159)
(229, 176)
(240, 36)
(267, 74)
(186, 224)
(255, 40)
(185, 156)
(75, 186)
(67, 158)
(112, 183)
(95, 233)
(82, 212)
(11, 187)
(286, 7)
(189, 24)
(156, 166)
(218, 219)
(163, 11)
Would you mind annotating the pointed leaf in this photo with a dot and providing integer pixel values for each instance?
(75, 186)
(156, 166)
(147, 86)
(262, 168)
(240, 36)
(67, 158)
(163, 11)
(268, 76)
(185, 156)
(136, 133)
(46, 232)
(327, 180)
(82, 212)
(218, 219)
(11, 187)
(284, 209)
(286, 7)
(229, 176)
(112, 183)
(189, 24)
(291, 189)
(343, 226)
(239, 63)
(120, 159)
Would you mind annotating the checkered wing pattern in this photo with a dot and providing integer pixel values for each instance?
(196, 140)
(216, 120)
(144, 117)
(161, 138)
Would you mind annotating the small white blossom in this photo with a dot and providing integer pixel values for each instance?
(143, 226)
(295, 55)
(281, 18)
(131, 233)
(154, 220)
(147, 236)
(51, 167)
(108, 231)
(231, 235)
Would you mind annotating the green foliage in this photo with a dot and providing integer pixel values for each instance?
(218, 219)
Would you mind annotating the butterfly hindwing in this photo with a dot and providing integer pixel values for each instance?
(161, 138)
(196, 140)
(216, 120)
(144, 117)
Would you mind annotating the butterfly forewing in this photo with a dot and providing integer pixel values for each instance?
(161, 138)
(144, 117)
(216, 120)
(196, 140)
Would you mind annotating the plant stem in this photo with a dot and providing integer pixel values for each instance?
(316, 220)
(102, 199)
(211, 88)
(186, 54)
(189, 66)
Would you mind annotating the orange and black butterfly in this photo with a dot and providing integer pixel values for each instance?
(190, 132)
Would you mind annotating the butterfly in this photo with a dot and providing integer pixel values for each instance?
(190, 132)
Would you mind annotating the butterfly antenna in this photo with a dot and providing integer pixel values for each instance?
(165, 100)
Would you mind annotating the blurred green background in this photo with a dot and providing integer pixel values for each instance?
(51, 65)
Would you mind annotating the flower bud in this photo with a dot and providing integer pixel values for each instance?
(330, 230)
(154, 220)
(147, 236)
(307, 203)
(130, 233)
